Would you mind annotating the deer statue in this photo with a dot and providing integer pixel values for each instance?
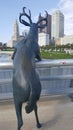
(26, 83)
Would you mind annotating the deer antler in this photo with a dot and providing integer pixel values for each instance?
(28, 16)
(43, 19)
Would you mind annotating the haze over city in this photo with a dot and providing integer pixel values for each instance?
(9, 11)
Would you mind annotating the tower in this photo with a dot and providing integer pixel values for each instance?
(16, 37)
(16, 31)
(57, 29)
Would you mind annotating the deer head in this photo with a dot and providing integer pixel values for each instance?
(30, 21)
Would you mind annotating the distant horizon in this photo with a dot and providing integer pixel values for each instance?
(10, 10)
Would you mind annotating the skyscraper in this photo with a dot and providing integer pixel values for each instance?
(47, 29)
(16, 37)
(57, 26)
(16, 31)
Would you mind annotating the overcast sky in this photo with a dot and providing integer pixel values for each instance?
(10, 10)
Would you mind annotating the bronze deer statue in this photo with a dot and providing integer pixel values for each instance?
(26, 83)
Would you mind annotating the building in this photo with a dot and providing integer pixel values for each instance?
(67, 40)
(58, 41)
(16, 36)
(43, 39)
(47, 29)
(25, 32)
(64, 40)
(57, 25)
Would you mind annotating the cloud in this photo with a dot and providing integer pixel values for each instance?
(66, 7)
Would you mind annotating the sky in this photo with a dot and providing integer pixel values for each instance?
(10, 10)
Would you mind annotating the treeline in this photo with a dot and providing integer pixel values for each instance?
(60, 48)
(3, 47)
(57, 47)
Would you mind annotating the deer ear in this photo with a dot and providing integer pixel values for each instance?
(41, 20)
(42, 25)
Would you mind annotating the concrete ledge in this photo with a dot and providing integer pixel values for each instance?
(52, 97)
(42, 99)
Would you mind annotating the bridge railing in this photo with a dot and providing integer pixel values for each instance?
(56, 77)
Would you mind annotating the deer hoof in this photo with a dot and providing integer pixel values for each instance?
(39, 125)
(28, 109)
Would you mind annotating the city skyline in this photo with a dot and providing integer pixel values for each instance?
(10, 10)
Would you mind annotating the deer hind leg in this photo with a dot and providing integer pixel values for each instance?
(31, 102)
(18, 107)
(36, 115)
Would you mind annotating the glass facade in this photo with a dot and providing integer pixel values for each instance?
(57, 29)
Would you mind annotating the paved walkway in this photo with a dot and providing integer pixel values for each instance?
(55, 114)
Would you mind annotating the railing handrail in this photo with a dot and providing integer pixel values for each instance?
(6, 65)
(54, 63)
(43, 63)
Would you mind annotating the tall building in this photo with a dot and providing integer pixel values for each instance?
(57, 26)
(47, 29)
(15, 36)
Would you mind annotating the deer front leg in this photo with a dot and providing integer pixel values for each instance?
(18, 107)
(36, 115)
